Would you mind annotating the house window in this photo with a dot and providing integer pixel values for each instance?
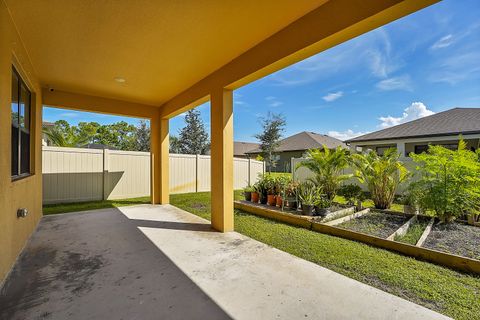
(381, 150)
(21, 104)
(421, 148)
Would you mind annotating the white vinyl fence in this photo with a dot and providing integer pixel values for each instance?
(302, 173)
(75, 174)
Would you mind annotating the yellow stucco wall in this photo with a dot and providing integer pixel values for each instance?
(25, 193)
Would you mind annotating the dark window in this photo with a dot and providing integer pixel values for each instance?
(21, 103)
(421, 148)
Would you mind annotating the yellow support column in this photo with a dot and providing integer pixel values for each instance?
(222, 159)
(159, 148)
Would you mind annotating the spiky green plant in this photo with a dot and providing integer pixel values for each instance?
(61, 139)
(381, 174)
(327, 166)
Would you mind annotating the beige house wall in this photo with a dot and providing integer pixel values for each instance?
(27, 192)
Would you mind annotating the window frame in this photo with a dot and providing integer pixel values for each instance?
(27, 128)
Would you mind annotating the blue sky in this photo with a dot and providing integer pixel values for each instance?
(421, 64)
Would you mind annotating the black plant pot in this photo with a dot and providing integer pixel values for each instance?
(322, 212)
(307, 210)
(248, 195)
(292, 204)
(263, 198)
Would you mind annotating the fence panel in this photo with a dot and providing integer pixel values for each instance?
(127, 174)
(183, 176)
(203, 173)
(71, 174)
(74, 174)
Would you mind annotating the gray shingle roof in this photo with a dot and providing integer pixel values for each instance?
(451, 122)
(306, 140)
(240, 148)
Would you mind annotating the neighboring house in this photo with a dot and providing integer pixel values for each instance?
(45, 140)
(443, 128)
(240, 148)
(295, 146)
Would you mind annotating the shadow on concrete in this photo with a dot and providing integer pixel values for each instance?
(101, 266)
(201, 227)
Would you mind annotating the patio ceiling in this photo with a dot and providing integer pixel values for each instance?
(159, 47)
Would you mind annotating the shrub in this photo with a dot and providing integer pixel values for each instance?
(327, 167)
(449, 181)
(351, 193)
(381, 174)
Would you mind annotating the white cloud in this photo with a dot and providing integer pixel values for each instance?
(273, 101)
(415, 111)
(333, 96)
(345, 135)
(69, 114)
(443, 42)
(395, 83)
(372, 51)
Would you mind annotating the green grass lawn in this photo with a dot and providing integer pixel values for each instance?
(83, 206)
(449, 292)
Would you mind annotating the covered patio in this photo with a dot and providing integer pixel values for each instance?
(160, 262)
(155, 60)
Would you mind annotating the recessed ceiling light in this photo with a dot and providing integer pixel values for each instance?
(120, 80)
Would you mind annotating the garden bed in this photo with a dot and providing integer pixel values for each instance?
(377, 224)
(415, 231)
(455, 238)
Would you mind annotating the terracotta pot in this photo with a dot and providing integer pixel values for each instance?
(255, 197)
(271, 200)
(279, 201)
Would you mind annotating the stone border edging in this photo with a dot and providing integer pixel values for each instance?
(403, 229)
(425, 233)
(441, 258)
(347, 218)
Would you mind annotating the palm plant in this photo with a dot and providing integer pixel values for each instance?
(327, 166)
(62, 139)
(381, 174)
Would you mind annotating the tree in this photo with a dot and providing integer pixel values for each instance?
(142, 136)
(174, 144)
(120, 135)
(327, 167)
(193, 138)
(62, 135)
(87, 130)
(381, 174)
(449, 181)
(273, 127)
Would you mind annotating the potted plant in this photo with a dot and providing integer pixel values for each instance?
(281, 184)
(291, 195)
(262, 188)
(255, 195)
(308, 194)
(247, 192)
(322, 205)
(270, 190)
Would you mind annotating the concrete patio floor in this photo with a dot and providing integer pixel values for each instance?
(160, 262)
